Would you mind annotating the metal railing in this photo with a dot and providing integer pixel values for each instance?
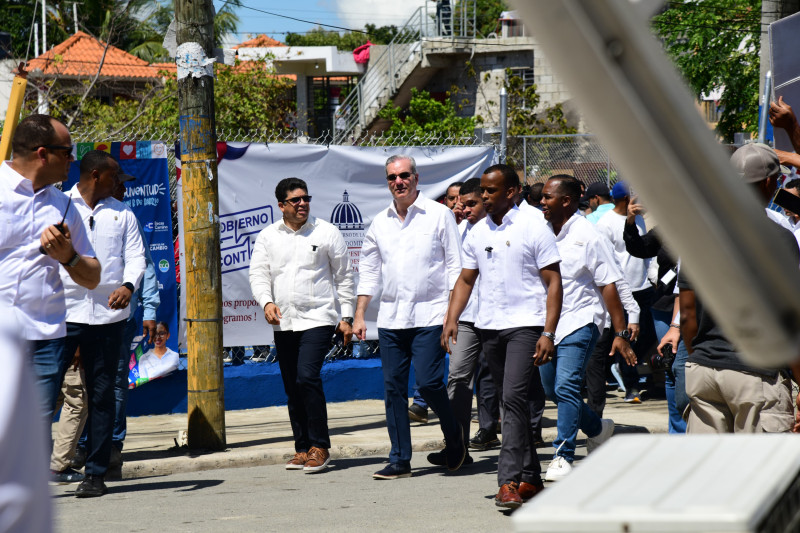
(580, 155)
(387, 72)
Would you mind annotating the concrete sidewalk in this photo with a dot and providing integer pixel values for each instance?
(358, 428)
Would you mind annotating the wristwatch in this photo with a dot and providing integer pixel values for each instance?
(348, 319)
(624, 334)
(74, 261)
(128, 285)
(551, 336)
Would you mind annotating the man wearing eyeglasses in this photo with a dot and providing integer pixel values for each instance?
(298, 267)
(96, 318)
(32, 245)
(412, 253)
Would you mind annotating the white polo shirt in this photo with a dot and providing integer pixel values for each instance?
(30, 282)
(415, 261)
(612, 225)
(302, 272)
(471, 310)
(525, 207)
(114, 234)
(587, 264)
(509, 258)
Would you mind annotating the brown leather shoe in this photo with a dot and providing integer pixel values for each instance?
(298, 461)
(527, 490)
(318, 459)
(508, 496)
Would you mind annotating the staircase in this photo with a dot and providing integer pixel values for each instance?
(402, 64)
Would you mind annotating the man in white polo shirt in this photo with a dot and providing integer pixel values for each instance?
(412, 254)
(589, 275)
(518, 309)
(31, 247)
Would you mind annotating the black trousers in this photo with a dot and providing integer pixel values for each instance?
(300, 357)
(509, 353)
(99, 346)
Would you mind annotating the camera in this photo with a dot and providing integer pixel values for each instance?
(663, 360)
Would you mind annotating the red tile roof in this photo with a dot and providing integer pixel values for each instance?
(259, 42)
(80, 55)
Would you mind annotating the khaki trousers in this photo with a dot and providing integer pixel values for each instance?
(730, 401)
(74, 412)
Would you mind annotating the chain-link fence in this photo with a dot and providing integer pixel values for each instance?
(579, 155)
(235, 355)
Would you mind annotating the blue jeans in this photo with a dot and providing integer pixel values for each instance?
(121, 386)
(50, 364)
(398, 348)
(661, 321)
(562, 379)
(679, 369)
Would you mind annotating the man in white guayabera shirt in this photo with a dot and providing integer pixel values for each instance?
(32, 246)
(299, 266)
(589, 275)
(412, 253)
(518, 308)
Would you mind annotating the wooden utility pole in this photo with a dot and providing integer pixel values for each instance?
(203, 283)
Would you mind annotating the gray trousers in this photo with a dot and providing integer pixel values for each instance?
(509, 353)
(461, 375)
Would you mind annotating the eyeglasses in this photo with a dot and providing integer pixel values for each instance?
(297, 199)
(58, 147)
(403, 176)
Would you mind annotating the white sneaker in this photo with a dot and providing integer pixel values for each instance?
(559, 468)
(605, 433)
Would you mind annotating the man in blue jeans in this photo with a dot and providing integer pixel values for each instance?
(589, 273)
(412, 253)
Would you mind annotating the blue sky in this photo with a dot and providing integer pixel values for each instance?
(345, 13)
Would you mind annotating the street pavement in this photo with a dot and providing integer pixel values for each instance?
(246, 488)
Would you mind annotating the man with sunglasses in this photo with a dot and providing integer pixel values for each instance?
(32, 245)
(412, 254)
(299, 264)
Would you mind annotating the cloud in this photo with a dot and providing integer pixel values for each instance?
(356, 13)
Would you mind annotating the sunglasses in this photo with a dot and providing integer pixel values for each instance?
(296, 200)
(403, 176)
(57, 147)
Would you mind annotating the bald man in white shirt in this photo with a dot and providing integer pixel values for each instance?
(412, 255)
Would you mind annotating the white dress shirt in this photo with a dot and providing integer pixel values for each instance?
(151, 366)
(525, 207)
(415, 261)
(114, 234)
(299, 270)
(612, 225)
(587, 265)
(470, 312)
(509, 258)
(30, 282)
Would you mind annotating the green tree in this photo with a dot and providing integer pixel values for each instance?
(715, 45)
(426, 118)
(487, 15)
(349, 40)
(247, 96)
(522, 120)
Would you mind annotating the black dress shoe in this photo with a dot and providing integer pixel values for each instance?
(78, 461)
(440, 459)
(483, 440)
(91, 487)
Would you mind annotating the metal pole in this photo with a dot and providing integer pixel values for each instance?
(503, 124)
(44, 26)
(75, 15)
(762, 121)
(525, 157)
(198, 153)
(36, 40)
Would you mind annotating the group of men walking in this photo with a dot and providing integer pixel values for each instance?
(528, 290)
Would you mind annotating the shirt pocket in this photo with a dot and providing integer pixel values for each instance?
(12, 230)
(109, 244)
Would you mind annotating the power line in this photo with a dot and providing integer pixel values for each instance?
(297, 19)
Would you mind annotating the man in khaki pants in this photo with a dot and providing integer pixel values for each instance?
(70, 424)
(725, 394)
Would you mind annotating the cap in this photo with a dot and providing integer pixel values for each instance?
(619, 190)
(125, 177)
(756, 162)
(595, 189)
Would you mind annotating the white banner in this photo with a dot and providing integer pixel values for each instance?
(349, 188)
